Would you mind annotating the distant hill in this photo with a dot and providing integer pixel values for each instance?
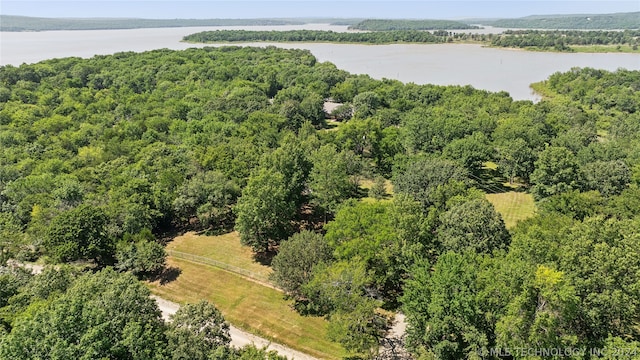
(583, 21)
(24, 23)
(386, 25)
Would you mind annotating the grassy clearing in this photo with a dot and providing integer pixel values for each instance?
(513, 206)
(367, 184)
(222, 248)
(250, 306)
(605, 49)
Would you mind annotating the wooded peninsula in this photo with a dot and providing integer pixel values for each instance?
(537, 40)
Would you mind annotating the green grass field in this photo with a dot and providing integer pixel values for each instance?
(244, 303)
(513, 206)
(222, 248)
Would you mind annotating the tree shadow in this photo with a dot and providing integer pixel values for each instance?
(168, 274)
(492, 181)
(265, 257)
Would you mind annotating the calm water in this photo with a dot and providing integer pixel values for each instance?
(443, 64)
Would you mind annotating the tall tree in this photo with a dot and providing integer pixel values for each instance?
(423, 176)
(102, 315)
(197, 331)
(80, 234)
(608, 177)
(208, 196)
(292, 162)
(329, 179)
(471, 151)
(264, 211)
(297, 257)
(515, 159)
(542, 315)
(473, 225)
(556, 171)
(444, 308)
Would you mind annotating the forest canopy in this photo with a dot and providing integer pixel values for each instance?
(101, 157)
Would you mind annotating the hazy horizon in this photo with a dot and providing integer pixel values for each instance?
(425, 9)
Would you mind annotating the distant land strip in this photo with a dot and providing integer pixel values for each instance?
(386, 25)
(23, 23)
(536, 40)
(618, 21)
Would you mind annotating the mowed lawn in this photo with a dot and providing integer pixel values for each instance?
(223, 248)
(513, 206)
(244, 303)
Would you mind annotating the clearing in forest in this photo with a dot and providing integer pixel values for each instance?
(513, 206)
(245, 303)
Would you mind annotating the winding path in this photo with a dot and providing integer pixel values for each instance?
(239, 338)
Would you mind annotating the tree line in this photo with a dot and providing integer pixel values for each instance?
(102, 156)
(562, 39)
(615, 21)
(557, 40)
(381, 37)
(386, 25)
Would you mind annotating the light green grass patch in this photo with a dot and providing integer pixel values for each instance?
(490, 165)
(368, 184)
(605, 49)
(250, 306)
(221, 248)
(513, 206)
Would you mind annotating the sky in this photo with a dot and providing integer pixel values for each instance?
(210, 9)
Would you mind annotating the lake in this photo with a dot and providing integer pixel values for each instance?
(443, 64)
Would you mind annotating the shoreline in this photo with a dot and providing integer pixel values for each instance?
(599, 49)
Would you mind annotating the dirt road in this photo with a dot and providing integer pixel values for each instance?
(239, 338)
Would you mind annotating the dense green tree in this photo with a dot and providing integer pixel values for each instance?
(140, 254)
(365, 104)
(297, 257)
(338, 286)
(386, 237)
(208, 196)
(80, 234)
(538, 241)
(625, 205)
(50, 283)
(291, 160)
(102, 315)
(12, 237)
(471, 151)
(608, 177)
(423, 176)
(11, 280)
(197, 331)
(444, 308)
(556, 171)
(578, 205)
(329, 178)
(360, 136)
(359, 330)
(515, 159)
(542, 316)
(600, 257)
(251, 352)
(264, 211)
(473, 225)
